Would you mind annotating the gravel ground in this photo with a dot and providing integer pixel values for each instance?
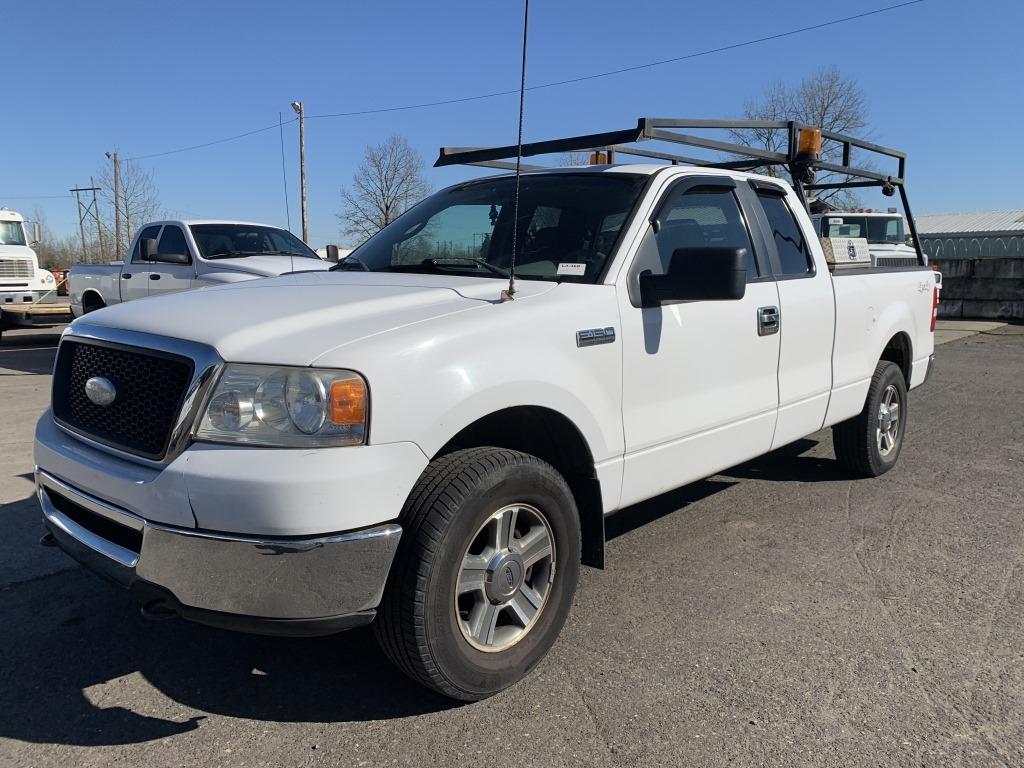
(776, 614)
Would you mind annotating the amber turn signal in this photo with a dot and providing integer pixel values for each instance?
(809, 143)
(348, 401)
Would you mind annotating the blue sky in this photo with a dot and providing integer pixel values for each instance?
(943, 78)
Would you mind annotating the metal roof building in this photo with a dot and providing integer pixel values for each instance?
(986, 235)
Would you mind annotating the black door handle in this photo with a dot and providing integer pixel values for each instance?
(154, 276)
(126, 275)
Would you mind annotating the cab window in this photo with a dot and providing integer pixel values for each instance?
(697, 217)
(790, 243)
(172, 241)
(149, 232)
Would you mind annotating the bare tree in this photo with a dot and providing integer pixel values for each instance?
(387, 183)
(139, 200)
(826, 99)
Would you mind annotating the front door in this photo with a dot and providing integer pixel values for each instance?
(700, 386)
(135, 272)
(165, 277)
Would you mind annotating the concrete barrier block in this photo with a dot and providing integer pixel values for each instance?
(955, 267)
(986, 289)
(994, 310)
(951, 308)
(1006, 269)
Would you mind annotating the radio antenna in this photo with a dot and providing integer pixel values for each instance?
(509, 293)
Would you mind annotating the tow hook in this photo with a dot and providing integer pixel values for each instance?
(47, 540)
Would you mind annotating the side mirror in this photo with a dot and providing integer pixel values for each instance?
(332, 253)
(698, 274)
(172, 258)
(37, 236)
(147, 248)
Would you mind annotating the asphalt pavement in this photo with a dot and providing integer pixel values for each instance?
(776, 614)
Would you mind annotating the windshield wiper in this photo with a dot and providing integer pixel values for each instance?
(343, 264)
(467, 260)
(234, 254)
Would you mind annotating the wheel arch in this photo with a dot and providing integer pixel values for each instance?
(899, 349)
(553, 437)
(91, 300)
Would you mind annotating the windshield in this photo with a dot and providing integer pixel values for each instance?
(11, 233)
(228, 241)
(876, 229)
(568, 227)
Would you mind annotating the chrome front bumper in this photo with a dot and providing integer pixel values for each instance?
(273, 585)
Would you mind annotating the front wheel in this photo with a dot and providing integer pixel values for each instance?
(869, 444)
(485, 573)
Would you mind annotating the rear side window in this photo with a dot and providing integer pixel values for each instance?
(148, 232)
(790, 243)
(172, 241)
(702, 217)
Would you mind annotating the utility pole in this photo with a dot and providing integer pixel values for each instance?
(297, 106)
(117, 202)
(84, 212)
(99, 226)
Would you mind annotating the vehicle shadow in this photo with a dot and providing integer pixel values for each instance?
(630, 518)
(78, 659)
(27, 354)
(788, 464)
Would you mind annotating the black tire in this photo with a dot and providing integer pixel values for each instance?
(856, 440)
(417, 626)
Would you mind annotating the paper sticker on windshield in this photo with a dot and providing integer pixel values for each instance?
(835, 221)
(568, 268)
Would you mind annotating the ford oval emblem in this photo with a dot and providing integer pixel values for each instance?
(100, 391)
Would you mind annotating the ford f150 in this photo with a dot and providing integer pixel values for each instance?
(399, 440)
(169, 256)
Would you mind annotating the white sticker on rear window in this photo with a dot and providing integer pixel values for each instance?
(835, 221)
(567, 268)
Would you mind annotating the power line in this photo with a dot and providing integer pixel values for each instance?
(553, 84)
(34, 197)
(224, 140)
(622, 70)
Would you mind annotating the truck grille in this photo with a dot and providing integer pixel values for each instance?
(150, 389)
(16, 268)
(896, 261)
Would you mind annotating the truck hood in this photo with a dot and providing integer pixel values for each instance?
(269, 266)
(295, 319)
(21, 251)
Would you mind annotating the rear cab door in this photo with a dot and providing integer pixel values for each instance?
(807, 318)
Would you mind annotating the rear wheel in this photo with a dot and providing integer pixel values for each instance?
(869, 444)
(485, 573)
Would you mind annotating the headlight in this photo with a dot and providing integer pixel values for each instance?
(286, 407)
(48, 277)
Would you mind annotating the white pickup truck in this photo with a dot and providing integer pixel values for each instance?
(169, 256)
(889, 245)
(398, 441)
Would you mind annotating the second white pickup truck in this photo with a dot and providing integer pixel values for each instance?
(169, 256)
(397, 441)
